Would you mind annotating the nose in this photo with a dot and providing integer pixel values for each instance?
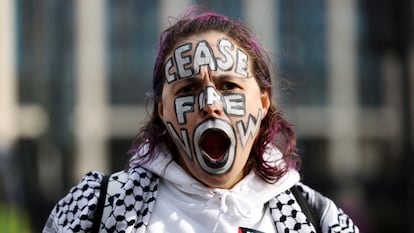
(212, 110)
(211, 103)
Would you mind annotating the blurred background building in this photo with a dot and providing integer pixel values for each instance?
(74, 77)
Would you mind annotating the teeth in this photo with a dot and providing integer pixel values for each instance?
(214, 163)
(213, 158)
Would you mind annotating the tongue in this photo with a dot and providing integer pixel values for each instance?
(214, 144)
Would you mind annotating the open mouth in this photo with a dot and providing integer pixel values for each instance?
(214, 145)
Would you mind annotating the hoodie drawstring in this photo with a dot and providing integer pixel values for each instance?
(222, 209)
(242, 207)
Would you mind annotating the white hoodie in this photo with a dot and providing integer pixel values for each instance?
(187, 206)
(137, 201)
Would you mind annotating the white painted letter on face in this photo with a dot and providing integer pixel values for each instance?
(203, 55)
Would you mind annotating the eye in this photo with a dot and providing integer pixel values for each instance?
(186, 89)
(227, 86)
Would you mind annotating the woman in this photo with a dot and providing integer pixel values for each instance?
(216, 155)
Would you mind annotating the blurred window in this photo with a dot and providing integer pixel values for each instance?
(45, 52)
(230, 8)
(301, 57)
(370, 76)
(133, 36)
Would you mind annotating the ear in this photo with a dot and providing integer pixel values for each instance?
(265, 100)
(160, 110)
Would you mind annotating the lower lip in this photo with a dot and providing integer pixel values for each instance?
(215, 163)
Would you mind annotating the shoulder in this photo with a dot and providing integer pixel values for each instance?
(74, 212)
(135, 178)
(332, 218)
(131, 195)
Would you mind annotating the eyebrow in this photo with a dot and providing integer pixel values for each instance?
(234, 76)
(179, 82)
(215, 77)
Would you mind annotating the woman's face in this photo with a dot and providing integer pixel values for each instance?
(212, 107)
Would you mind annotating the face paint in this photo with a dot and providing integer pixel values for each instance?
(251, 129)
(234, 104)
(203, 55)
(169, 76)
(183, 61)
(212, 163)
(216, 152)
(188, 65)
(226, 62)
(183, 105)
(214, 148)
(242, 63)
(209, 97)
(183, 141)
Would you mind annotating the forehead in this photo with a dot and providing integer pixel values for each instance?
(212, 49)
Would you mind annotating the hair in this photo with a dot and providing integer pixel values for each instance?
(274, 129)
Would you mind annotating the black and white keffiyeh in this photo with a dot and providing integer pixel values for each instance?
(131, 197)
(129, 202)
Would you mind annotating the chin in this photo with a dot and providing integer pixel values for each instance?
(223, 181)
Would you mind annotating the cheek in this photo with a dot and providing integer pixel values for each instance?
(253, 103)
(248, 126)
(178, 110)
(167, 111)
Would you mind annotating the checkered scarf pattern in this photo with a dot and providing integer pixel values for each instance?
(129, 208)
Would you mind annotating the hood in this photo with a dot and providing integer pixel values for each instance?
(252, 189)
(245, 200)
